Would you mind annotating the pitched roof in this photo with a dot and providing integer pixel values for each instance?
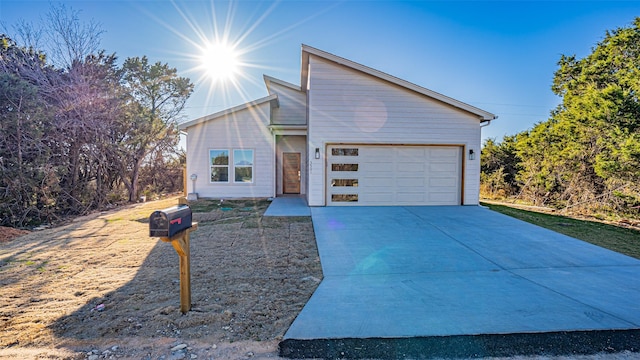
(310, 51)
(268, 80)
(219, 114)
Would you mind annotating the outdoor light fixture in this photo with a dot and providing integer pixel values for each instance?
(472, 155)
(317, 153)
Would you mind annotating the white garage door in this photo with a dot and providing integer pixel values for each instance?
(393, 175)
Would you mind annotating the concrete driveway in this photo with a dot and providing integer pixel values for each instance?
(420, 272)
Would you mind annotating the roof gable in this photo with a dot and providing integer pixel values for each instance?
(268, 80)
(220, 114)
(310, 51)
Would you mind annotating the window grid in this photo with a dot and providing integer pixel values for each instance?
(219, 161)
(236, 164)
(243, 165)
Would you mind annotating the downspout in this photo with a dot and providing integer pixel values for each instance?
(185, 190)
(488, 122)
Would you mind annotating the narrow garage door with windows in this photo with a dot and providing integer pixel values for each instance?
(393, 175)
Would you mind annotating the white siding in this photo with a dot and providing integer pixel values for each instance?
(292, 109)
(245, 129)
(347, 106)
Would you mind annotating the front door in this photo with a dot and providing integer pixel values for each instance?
(291, 173)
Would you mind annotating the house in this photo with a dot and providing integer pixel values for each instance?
(347, 135)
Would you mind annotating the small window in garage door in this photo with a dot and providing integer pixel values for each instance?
(344, 151)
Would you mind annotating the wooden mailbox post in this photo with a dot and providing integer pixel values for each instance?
(174, 225)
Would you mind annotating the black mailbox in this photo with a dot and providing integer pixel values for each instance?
(170, 221)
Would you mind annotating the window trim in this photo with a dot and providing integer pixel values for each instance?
(231, 166)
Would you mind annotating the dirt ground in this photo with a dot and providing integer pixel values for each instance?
(7, 233)
(100, 287)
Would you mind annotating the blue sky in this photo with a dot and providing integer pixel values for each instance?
(499, 56)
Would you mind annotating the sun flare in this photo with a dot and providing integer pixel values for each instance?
(220, 61)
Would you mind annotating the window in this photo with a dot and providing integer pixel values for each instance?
(344, 152)
(344, 197)
(243, 166)
(221, 169)
(219, 165)
(344, 167)
(344, 182)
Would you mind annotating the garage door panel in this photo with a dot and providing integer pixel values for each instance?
(409, 153)
(442, 167)
(378, 175)
(410, 197)
(440, 183)
(445, 152)
(377, 199)
(377, 154)
(440, 198)
(372, 165)
(377, 182)
(415, 190)
(411, 167)
(375, 190)
(406, 182)
(395, 175)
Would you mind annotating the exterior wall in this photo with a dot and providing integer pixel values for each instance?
(292, 109)
(245, 129)
(346, 106)
(291, 143)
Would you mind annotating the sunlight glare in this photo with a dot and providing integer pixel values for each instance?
(222, 58)
(220, 61)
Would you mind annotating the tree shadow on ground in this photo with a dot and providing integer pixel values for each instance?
(250, 277)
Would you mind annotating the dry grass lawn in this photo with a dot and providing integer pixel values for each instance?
(100, 287)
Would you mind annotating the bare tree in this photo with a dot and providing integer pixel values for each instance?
(68, 39)
(63, 36)
(29, 35)
(76, 130)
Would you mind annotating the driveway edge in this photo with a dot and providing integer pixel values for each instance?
(465, 346)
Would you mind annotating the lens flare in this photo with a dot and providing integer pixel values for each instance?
(220, 61)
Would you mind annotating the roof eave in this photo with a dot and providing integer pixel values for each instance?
(269, 79)
(219, 114)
